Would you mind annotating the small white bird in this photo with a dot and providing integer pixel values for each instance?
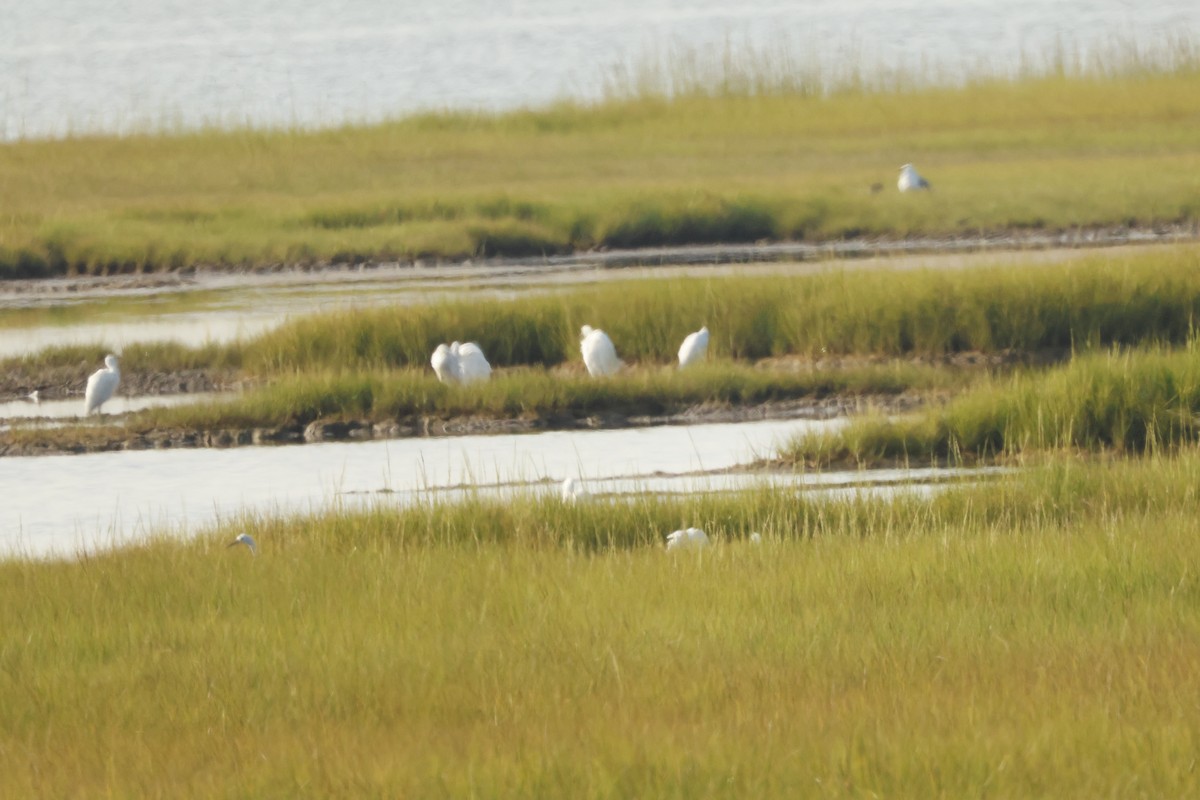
(694, 347)
(470, 362)
(599, 355)
(34, 397)
(445, 364)
(246, 539)
(101, 385)
(910, 181)
(756, 538)
(573, 491)
(690, 539)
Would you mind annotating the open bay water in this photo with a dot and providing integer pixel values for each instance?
(89, 66)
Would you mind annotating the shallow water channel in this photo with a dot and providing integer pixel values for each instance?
(62, 505)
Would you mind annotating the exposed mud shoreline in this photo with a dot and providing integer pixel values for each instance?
(27, 292)
(115, 437)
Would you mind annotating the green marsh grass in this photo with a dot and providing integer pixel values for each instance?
(1032, 636)
(1093, 301)
(1134, 401)
(1106, 149)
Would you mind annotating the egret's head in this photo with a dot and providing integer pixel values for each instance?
(585, 331)
(442, 350)
(704, 329)
(110, 361)
(246, 539)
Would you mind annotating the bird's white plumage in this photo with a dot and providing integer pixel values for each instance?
(690, 539)
(573, 491)
(445, 364)
(470, 362)
(246, 539)
(910, 180)
(756, 538)
(101, 385)
(599, 355)
(694, 346)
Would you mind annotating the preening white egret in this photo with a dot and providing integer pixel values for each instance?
(246, 539)
(599, 355)
(470, 362)
(445, 364)
(101, 385)
(690, 539)
(573, 491)
(910, 181)
(694, 346)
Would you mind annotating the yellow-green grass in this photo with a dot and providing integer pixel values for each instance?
(1095, 300)
(1035, 636)
(1031, 153)
(1127, 401)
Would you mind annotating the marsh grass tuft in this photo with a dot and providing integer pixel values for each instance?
(1125, 401)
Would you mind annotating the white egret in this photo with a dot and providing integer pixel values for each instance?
(756, 538)
(470, 362)
(694, 346)
(246, 539)
(34, 397)
(599, 355)
(573, 491)
(910, 181)
(445, 364)
(690, 539)
(101, 385)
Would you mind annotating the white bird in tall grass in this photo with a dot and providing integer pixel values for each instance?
(246, 539)
(573, 491)
(694, 347)
(101, 385)
(690, 539)
(910, 181)
(599, 355)
(35, 396)
(470, 362)
(445, 364)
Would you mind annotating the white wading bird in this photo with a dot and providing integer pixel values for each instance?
(910, 181)
(470, 363)
(573, 491)
(445, 364)
(246, 539)
(694, 346)
(691, 539)
(101, 385)
(599, 355)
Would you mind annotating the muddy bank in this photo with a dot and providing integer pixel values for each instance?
(64, 382)
(591, 263)
(89, 439)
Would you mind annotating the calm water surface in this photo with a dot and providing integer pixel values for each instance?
(96, 65)
(63, 504)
